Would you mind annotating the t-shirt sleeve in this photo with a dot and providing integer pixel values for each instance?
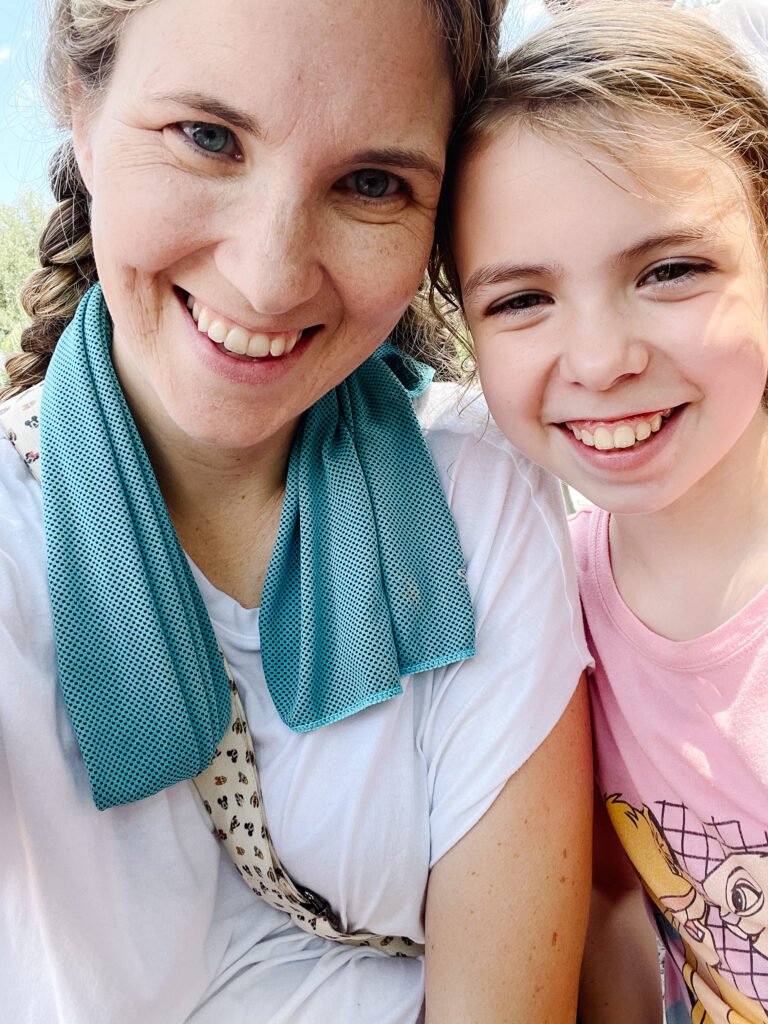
(489, 713)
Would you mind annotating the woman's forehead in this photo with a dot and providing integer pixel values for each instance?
(364, 72)
(371, 46)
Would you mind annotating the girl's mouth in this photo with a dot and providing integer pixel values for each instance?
(628, 432)
(237, 340)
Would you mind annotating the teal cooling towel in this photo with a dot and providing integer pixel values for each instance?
(365, 585)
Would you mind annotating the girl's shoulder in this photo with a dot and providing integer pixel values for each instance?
(587, 525)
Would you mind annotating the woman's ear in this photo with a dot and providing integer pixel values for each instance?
(82, 116)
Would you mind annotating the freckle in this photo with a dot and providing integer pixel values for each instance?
(562, 879)
(565, 854)
(554, 938)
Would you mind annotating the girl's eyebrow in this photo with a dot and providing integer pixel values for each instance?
(501, 273)
(667, 239)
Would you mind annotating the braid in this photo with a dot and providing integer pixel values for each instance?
(67, 270)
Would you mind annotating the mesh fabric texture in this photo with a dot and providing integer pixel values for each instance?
(365, 584)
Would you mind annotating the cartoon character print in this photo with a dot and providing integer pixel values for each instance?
(730, 897)
(738, 886)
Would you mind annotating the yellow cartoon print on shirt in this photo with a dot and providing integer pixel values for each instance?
(735, 887)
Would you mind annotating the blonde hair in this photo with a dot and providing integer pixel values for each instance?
(83, 38)
(593, 78)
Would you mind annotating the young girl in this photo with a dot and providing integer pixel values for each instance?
(608, 246)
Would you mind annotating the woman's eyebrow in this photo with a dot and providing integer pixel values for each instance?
(413, 159)
(408, 159)
(210, 105)
(501, 273)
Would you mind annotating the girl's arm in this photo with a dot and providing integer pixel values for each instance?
(507, 906)
(620, 978)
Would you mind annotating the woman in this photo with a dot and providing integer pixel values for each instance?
(259, 180)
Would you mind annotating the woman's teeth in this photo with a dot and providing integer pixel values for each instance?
(236, 340)
(625, 435)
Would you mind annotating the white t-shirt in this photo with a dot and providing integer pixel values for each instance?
(136, 914)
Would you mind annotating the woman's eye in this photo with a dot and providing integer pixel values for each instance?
(520, 303)
(671, 271)
(370, 183)
(211, 138)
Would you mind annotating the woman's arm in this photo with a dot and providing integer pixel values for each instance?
(507, 906)
(620, 979)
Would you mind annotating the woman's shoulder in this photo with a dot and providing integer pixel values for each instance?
(21, 511)
(462, 436)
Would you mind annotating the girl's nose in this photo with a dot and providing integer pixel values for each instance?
(600, 352)
(272, 257)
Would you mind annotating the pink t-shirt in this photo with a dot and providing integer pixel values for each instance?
(681, 736)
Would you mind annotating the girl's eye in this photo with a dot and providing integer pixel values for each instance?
(370, 183)
(674, 271)
(211, 138)
(521, 303)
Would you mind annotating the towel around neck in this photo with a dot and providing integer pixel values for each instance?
(365, 585)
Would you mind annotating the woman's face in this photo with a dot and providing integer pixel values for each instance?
(275, 165)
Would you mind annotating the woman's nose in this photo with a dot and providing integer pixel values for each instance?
(272, 256)
(601, 351)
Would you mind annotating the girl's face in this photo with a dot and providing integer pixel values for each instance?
(621, 335)
(264, 176)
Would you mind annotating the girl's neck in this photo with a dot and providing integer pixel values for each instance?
(688, 568)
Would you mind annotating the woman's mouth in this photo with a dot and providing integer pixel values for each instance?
(628, 432)
(238, 341)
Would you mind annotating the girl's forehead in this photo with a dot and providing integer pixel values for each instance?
(536, 199)
(660, 159)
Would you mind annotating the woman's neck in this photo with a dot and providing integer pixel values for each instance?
(690, 567)
(225, 505)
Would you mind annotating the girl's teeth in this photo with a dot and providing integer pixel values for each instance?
(603, 439)
(239, 341)
(623, 436)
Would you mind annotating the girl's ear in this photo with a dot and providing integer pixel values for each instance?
(82, 118)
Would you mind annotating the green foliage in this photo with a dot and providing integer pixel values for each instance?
(20, 228)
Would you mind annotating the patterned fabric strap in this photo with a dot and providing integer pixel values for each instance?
(231, 792)
(229, 787)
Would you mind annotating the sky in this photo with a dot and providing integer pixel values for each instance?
(27, 137)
